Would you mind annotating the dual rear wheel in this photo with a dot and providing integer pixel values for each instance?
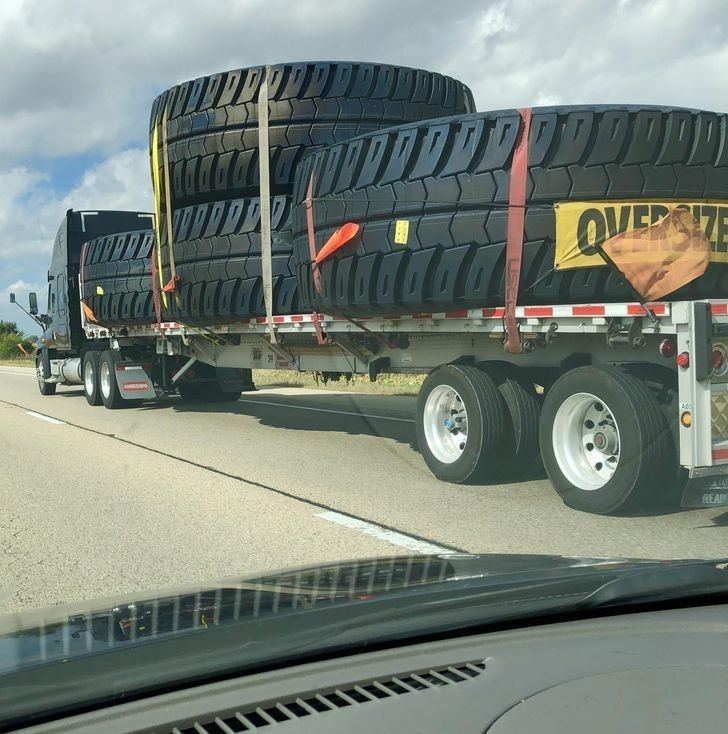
(98, 370)
(602, 435)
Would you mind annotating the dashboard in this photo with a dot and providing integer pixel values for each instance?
(662, 671)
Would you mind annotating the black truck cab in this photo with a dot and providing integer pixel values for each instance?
(63, 332)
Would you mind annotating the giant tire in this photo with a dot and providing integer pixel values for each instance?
(117, 278)
(449, 179)
(644, 471)
(212, 123)
(217, 252)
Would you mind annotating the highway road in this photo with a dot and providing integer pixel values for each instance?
(96, 502)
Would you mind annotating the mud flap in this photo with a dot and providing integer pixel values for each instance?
(706, 492)
(134, 382)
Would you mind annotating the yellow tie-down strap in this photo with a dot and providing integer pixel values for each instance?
(582, 224)
(157, 185)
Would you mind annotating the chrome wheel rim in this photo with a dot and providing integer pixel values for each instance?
(586, 441)
(105, 379)
(88, 378)
(39, 373)
(445, 424)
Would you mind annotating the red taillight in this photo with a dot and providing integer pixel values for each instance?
(683, 360)
(718, 360)
(667, 348)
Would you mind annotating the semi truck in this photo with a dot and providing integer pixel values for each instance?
(624, 404)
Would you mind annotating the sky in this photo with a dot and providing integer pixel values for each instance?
(77, 79)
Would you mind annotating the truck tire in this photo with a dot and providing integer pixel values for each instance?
(117, 278)
(462, 426)
(524, 411)
(90, 374)
(212, 136)
(605, 442)
(449, 180)
(223, 385)
(46, 388)
(217, 252)
(108, 387)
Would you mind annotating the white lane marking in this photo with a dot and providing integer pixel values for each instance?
(376, 531)
(46, 418)
(327, 410)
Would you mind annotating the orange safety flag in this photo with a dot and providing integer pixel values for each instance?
(660, 258)
(337, 240)
(171, 286)
(90, 316)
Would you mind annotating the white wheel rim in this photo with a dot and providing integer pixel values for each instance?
(39, 374)
(88, 378)
(105, 379)
(445, 424)
(586, 441)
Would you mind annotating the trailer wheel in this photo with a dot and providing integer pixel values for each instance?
(109, 389)
(605, 442)
(91, 378)
(46, 388)
(206, 392)
(215, 394)
(462, 425)
(524, 409)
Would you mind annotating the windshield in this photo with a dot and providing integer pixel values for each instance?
(378, 312)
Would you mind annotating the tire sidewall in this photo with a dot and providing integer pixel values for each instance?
(113, 400)
(463, 468)
(92, 358)
(608, 498)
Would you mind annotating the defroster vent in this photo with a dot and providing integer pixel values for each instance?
(290, 709)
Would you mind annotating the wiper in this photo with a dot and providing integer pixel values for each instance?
(677, 581)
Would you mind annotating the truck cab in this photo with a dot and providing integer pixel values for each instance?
(63, 332)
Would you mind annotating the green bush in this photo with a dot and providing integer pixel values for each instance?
(10, 337)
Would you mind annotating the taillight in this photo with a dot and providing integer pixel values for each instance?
(719, 360)
(683, 360)
(667, 348)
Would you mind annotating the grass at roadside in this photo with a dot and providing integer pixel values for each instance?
(17, 362)
(385, 384)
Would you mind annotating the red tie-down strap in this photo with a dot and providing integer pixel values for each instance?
(90, 315)
(321, 338)
(514, 233)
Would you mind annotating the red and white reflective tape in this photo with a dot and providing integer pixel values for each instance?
(574, 311)
(608, 310)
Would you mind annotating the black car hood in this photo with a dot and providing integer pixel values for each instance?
(63, 659)
(38, 636)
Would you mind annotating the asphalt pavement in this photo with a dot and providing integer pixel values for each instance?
(96, 502)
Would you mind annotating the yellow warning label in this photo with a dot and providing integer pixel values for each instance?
(401, 231)
(99, 290)
(581, 225)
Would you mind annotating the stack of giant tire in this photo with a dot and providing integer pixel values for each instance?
(448, 181)
(204, 151)
(117, 278)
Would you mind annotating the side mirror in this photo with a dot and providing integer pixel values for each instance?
(33, 301)
(12, 298)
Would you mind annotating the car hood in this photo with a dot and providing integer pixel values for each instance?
(60, 632)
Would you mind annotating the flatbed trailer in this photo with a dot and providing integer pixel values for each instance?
(625, 404)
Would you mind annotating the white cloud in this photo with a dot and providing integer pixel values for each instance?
(84, 80)
(31, 212)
